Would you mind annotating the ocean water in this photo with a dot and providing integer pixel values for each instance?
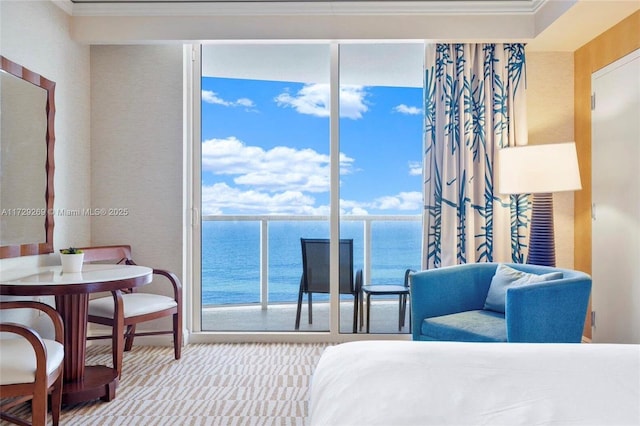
(231, 256)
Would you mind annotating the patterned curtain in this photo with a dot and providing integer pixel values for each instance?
(474, 104)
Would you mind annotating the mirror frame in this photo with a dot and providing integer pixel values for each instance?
(50, 139)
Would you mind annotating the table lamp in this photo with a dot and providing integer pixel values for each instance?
(540, 170)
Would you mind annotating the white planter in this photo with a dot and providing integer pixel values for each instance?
(71, 263)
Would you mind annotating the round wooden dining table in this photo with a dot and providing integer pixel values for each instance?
(71, 291)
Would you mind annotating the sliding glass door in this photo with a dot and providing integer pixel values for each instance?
(381, 179)
(270, 140)
(265, 182)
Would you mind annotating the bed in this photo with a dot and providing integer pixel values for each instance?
(397, 383)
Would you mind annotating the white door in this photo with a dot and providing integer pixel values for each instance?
(616, 201)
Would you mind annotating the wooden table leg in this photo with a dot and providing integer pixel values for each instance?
(81, 383)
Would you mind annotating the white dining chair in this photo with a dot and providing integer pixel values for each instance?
(31, 366)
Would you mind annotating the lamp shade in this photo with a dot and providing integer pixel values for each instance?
(532, 169)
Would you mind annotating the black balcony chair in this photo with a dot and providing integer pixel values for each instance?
(315, 274)
(402, 291)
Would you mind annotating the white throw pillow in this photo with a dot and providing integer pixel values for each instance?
(506, 277)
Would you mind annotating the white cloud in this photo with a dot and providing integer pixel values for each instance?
(409, 110)
(245, 102)
(314, 99)
(211, 97)
(278, 169)
(353, 208)
(415, 168)
(280, 181)
(220, 198)
(401, 201)
(356, 211)
(352, 101)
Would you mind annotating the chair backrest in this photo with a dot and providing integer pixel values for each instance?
(112, 254)
(407, 275)
(315, 265)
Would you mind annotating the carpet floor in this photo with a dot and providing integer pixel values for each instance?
(213, 384)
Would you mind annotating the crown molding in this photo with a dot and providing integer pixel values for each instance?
(65, 5)
(288, 8)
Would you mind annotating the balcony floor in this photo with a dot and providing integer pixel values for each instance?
(281, 317)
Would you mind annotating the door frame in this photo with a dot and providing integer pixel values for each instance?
(192, 187)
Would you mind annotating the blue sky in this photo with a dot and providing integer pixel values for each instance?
(265, 148)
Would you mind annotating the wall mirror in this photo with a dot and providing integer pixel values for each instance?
(27, 115)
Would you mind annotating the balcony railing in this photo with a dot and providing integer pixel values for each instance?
(368, 240)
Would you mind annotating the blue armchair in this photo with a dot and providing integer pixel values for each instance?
(547, 305)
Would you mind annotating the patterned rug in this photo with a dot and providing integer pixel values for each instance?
(213, 384)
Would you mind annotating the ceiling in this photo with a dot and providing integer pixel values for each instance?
(581, 23)
(545, 25)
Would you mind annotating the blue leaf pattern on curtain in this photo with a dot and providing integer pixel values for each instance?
(474, 104)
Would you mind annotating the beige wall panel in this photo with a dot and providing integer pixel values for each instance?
(550, 119)
(35, 34)
(136, 151)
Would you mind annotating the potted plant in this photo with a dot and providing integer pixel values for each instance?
(71, 259)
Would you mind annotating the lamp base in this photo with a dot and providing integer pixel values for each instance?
(541, 240)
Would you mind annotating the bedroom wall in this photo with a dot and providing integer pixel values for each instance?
(119, 132)
(118, 135)
(550, 120)
(136, 148)
(136, 153)
(35, 34)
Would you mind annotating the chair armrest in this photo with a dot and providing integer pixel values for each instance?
(36, 343)
(55, 317)
(175, 283)
(550, 312)
(448, 290)
(171, 277)
(31, 335)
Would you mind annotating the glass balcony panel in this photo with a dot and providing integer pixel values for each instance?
(231, 295)
(230, 263)
(395, 247)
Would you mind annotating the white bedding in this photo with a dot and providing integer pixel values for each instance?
(450, 383)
